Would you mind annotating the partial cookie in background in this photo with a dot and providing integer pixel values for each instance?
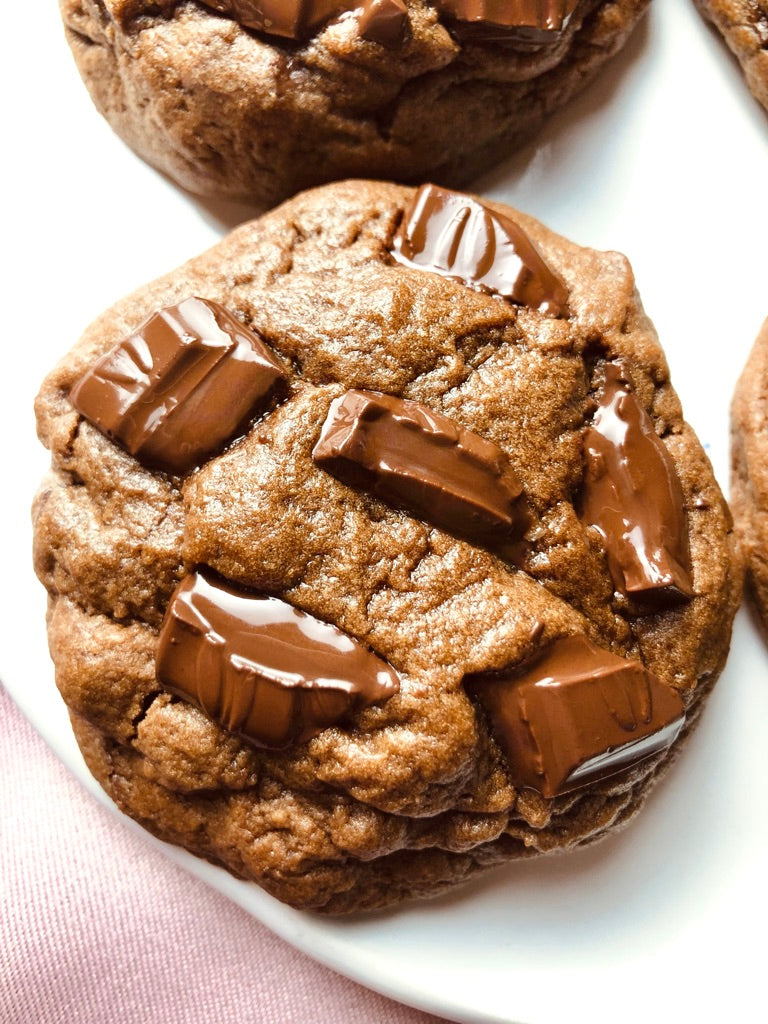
(451, 592)
(749, 475)
(317, 90)
(744, 25)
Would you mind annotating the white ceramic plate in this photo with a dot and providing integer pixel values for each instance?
(666, 159)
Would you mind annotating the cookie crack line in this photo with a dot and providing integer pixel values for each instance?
(84, 39)
(144, 710)
(107, 613)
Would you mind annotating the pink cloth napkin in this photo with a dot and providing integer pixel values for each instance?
(97, 927)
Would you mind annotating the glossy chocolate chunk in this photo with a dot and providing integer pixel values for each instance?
(292, 19)
(454, 235)
(531, 21)
(181, 387)
(410, 456)
(262, 669)
(384, 22)
(633, 497)
(579, 714)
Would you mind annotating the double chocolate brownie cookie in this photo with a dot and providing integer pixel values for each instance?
(255, 101)
(377, 547)
(744, 25)
(749, 476)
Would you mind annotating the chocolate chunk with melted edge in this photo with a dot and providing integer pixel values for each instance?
(531, 21)
(181, 387)
(261, 668)
(408, 455)
(579, 714)
(632, 496)
(292, 19)
(384, 22)
(454, 235)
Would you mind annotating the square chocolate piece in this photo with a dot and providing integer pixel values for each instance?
(181, 387)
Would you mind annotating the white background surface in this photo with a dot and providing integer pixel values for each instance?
(664, 158)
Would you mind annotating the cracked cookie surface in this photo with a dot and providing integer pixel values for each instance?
(413, 794)
(258, 117)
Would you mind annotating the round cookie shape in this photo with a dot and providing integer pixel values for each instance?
(414, 493)
(749, 470)
(744, 26)
(402, 89)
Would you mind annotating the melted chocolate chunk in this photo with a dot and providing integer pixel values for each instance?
(632, 496)
(526, 21)
(292, 19)
(181, 387)
(410, 456)
(454, 235)
(384, 22)
(579, 714)
(262, 669)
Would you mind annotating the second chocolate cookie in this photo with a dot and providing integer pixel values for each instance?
(256, 101)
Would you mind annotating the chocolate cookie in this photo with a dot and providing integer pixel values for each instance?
(256, 101)
(749, 475)
(744, 25)
(378, 550)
